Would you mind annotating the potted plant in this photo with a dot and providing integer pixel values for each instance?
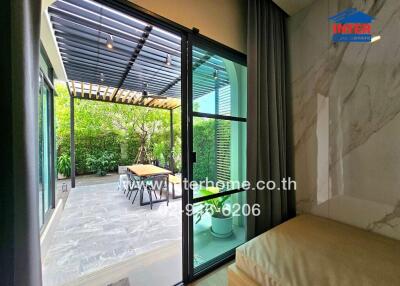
(221, 216)
(64, 166)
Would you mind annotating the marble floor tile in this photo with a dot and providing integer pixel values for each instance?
(100, 227)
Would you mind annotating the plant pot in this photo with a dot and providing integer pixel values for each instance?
(61, 176)
(221, 227)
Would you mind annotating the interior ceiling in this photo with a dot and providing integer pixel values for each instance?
(138, 60)
(291, 7)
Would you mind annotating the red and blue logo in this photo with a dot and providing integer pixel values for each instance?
(351, 25)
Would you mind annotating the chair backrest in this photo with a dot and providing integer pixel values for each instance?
(159, 182)
(134, 180)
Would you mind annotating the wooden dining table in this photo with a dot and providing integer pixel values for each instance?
(144, 171)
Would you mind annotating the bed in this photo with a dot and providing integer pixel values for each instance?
(310, 250)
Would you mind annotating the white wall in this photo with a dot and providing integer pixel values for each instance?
(49, 42)
(222, 20)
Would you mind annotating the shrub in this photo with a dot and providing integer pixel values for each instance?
(90, 145)
(94, 147)
(113, 128)
(64, 165)
(101, 163)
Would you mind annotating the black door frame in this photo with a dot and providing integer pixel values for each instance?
(199, 41)
(189, 37)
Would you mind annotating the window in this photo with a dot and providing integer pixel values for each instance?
(219, 94)
(46, 150)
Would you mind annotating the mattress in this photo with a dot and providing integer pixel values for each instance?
(310, 250)
(236, 277)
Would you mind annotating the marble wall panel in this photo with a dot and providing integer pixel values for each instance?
(346, 103)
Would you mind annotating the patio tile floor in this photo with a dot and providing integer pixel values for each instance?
(100, 227)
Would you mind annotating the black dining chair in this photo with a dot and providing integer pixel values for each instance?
(158, 183)
(134, 186)
(139, 185)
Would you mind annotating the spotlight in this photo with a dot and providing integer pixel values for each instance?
(215, 74)
(168, 60)
(110, 42)
(101, 77)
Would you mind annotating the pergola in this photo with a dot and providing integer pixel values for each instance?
(84, 90)
(112, 57)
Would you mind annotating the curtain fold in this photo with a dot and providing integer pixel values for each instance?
(269, 153)
(20, 246)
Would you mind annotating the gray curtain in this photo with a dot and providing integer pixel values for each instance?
(269, 132)
(19, 219)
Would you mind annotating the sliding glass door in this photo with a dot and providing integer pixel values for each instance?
(217, 154)
(46, 139)
(45, 191)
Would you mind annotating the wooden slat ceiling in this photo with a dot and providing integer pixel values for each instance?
(124, 96)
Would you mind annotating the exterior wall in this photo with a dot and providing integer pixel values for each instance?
(49, 42)
(222, 20)
(346, 103)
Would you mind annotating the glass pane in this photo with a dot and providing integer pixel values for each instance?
(220, 147)
(46, 149)
(219, 85)
(44, 152)
(41, 155)
(219, 88)
(218, 226)
(45, 67)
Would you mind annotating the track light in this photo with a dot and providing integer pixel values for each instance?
(101, 77)
(168, 60)
(144, 92)
(110, 41)
(215, 74)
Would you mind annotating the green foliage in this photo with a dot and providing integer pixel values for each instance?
(64, 165)
(114, 128)
(204, 146)
(120, 130)
(101, 163)
(177, 154)
(212, 206)
(158, 152)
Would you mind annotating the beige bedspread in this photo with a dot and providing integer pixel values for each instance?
(310, 250)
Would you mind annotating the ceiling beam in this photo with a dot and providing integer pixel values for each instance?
(135, 54)
(196, 65)
(79, 96)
